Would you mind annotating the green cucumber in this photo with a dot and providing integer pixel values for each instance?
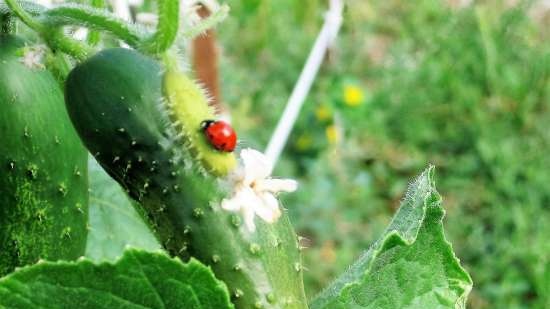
(116, 102)
(43, 178)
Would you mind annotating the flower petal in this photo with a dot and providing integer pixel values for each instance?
(231, 204)
(278, 185)
(269, 209)
(271, 201)
(248, 214)
(254, 192)
(248, 198)
(256, 165)
(243, 197)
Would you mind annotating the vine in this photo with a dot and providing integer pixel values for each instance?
(91, 18)
(49, 22)
(167, 28)
(53, 36)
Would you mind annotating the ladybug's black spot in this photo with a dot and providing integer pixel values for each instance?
(206, 123)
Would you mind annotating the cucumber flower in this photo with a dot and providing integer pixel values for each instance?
(33, 57)
(254, 191)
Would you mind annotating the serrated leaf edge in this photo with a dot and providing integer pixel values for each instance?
(128, 252)
(379, 246)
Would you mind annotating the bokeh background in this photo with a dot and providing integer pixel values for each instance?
(462, 85)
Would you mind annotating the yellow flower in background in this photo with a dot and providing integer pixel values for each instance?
(332, 134)
(304, 142)
(353, 95)
(323, 113)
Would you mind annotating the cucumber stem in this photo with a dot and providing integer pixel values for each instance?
(7, 24)
(53, 36)
(167, 28)
(48, 21)
(92, 18)
(93, 35)
(24, 16)
(57, 41)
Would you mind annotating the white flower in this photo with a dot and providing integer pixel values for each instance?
(254, 191)
(33, 57)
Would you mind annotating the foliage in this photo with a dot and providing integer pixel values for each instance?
(138, 280)
(411, 266)
(114, 224)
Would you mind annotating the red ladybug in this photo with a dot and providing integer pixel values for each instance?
(220, 134)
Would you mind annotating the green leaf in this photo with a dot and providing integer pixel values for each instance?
(114, 224)
(138, 280)
(411, 266)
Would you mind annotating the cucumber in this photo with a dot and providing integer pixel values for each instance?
(43, 178)
(116, 102)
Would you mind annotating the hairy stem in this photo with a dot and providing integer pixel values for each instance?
(92, 18)
(94, 35)
(167, 28)
(25, 17)
(31, 8)
(7, 23)
(57, 41)
(53, 36)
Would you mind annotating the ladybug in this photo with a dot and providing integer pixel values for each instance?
(220, 134)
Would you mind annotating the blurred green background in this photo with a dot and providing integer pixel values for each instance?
(464, 86)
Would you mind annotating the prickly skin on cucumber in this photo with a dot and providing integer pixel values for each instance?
(43, 177)
(116, 101)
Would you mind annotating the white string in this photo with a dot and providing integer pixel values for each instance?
(327, 35)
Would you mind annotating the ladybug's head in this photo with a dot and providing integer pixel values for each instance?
(206, 123)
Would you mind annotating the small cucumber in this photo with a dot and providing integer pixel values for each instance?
(187, 108)
(43, 178)
(116, 102)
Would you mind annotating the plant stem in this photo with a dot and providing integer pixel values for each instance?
(94, 35)
(57, 41)
(167, 28)
(24, 16)
(94, 19)
(53, 36)
(31, 8)
(7, 23)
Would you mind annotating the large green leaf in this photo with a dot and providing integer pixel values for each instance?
(114, 224)
(411, 266)
(139, 280)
